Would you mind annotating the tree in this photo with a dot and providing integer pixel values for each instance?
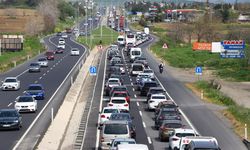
(66, 10)
(225, 15)
(32, 2)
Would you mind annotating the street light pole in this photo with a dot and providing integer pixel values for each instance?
(0, 47)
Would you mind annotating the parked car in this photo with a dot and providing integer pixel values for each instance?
(11, 83)
(35, 67)
(10, 119)
(106, 112)
(167, 128)
(177, 134)
(118, 102)
(75, 52)
(118, 141)
(25, 104)
(50, 55)
(154, 100)
(43, 62)
(112, 130)
(166, 114)
(36, 90)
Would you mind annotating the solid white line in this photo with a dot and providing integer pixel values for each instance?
(144, 125)
(22, 73)
(46, 105)
(149, 140)
(100, 107)
(137, 103)
(140, 113)
(9, 104)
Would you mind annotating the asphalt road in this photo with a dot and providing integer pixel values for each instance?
(50, 77)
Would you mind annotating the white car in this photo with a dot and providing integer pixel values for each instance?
(119, 102)
(113, 82)
(74, 52)
(43, 62)
(186, 140)
(11, 83)
(61, 41)
(61, 46)
(106, 112)
(177, 134)
(26, 104)
(149, 72)
(64, 35)
(155, 99)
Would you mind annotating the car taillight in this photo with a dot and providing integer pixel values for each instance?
(103, 116)
(110, 104)
(126, 105)
(161, 117)
(102, 139)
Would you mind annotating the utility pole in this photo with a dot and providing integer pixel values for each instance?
(0, 47)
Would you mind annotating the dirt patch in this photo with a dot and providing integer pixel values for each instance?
(16, 20)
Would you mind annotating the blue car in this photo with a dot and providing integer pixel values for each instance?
(36, 91)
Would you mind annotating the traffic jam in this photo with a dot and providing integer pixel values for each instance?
(129, 82)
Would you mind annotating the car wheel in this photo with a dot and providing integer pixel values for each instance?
(175, 148)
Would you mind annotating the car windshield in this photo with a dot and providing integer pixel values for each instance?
(120, 39)
(184, 134)
(8, 114)
(10, 80)
(115, 129)
(42, 59)
(113, 81)
(136, 52)
(123, 142)
(120, 117)
(119, 94)
(35, 88)
(34, 64)
(119, 89)
(173, 125)
(148, 71)
(110, 111)
(25, 99)
(150, 84)
(118, 101)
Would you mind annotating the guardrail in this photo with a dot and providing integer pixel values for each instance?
(247, 143)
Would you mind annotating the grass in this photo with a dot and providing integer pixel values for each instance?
(62, 25)
(181, 55)
(109, 36)
(32, 47)
(238, 115)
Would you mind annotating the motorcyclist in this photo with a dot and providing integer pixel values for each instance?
(161, 67)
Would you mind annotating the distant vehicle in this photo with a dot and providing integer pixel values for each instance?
(155, 100)
(135, 52)
(59, 33)
(111, 83)
(136, 69)
(130, 38)
(118, 102)
(59, 50)
(84, 33)
(117, 141)
(35, 67)
(36, 90)
(10, 119)
(166, 114)
(106, 112)
(64, 35)
(11, 83)
(146, 86)
(61, 46)
(121, 40)
(155, 90)
(146, 30)
(50, 55)
(43, 62)
(25, 104)
(124, 94)
(74, 52)
(149, 72)
(132, 147)
(194, 145)
(61, 41)
(68, 30)
(167, 128)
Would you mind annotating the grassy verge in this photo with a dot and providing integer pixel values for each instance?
(61, 25)
(32, 47)
(238, 115)
(108, 37)
(181, 55)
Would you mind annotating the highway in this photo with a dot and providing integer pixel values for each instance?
(196, 114)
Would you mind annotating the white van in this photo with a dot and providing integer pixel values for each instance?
(146, 30)
(135, 52)
(121, 40)
(132, 147)
(136, 69)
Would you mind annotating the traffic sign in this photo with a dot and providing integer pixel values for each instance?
(233, 44)
(198, 70)
(92, 70)
(165, 45)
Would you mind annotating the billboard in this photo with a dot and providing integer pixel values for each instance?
(197, 46)
(233, 49)
(217, 47)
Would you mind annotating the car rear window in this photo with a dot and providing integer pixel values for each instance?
(115, 129)
(137, 68)
(184, 134)
(150, 84)
(35, 88)
(119, 117)
(120, 89)
(173, 125)
(118, 101)
(113, 81)
(110, 111)
(158, 97)
(120, 95)
(123, 142)
(148, 71)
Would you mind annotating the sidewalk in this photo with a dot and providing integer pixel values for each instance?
(63, 130)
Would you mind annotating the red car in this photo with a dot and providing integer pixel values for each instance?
(50, 55)
(121, 94)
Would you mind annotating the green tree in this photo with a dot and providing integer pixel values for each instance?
(66, 10)
(225, 15)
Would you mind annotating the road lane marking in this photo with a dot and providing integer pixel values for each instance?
(133, 89)
(44, 74)
(47, 71)
(144, 125)
(54, 65)
(149, 140)
(22, 73)
(137, 103)
(40, 78)
(140, 113)
(135, 96)
(51, 68)
(9, 104)
(36, 82)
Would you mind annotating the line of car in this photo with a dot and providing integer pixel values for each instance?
(10, 118)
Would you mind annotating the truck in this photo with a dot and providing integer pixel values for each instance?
(121, 22)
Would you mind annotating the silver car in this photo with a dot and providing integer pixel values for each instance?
(35, 67)
(118, 141)
(11, 83)
(43, 62)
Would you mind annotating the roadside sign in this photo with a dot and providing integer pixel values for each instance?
(92, 70)
(198, 70)
(165, 46)
(233, 49)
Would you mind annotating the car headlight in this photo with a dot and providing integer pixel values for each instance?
(17, 106)
(16, 121)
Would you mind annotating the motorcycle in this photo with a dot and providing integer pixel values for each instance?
(161, 69)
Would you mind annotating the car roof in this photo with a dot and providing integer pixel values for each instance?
(110, 107)
(121, 114)
(118, 98)
(180, 130)
(158, 95)
(207, 144)
(10, 78)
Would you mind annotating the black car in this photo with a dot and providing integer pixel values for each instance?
(154, 90)
(166, 114)
(10, 119)
(146, 86)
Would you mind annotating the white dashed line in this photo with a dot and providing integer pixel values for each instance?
(44, 74)
(36, 82)
(133, 89)
(144, 125)
(40, 78)
(54, 65)
(130, 79)
(48, 71)
(132, 83)
(140, 113)
(137, 103)
(51, 68)
(9, 104)
(149, 140)
(135, 95)
(57, 63)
